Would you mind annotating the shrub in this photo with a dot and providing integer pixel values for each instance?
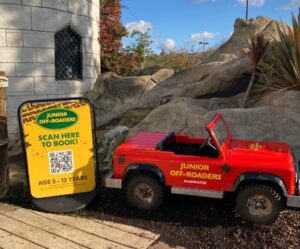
(281, 67)
(255, 51)
(177, 60)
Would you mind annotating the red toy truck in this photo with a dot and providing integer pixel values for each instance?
(264, 176)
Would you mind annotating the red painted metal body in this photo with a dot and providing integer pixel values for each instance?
(236, 157)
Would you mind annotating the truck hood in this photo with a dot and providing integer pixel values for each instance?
(260, 147)
(254, 151)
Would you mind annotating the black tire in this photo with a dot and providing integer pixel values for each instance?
(145, 192)
(259, 204)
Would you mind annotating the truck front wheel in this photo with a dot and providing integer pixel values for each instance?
(144, 192)
(259, 204)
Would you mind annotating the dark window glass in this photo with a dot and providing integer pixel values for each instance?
(68, 65)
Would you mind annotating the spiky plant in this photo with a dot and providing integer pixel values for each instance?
(282, 65)
(255, 51)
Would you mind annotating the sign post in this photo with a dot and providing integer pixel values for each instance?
(4, 177)
(60, 151)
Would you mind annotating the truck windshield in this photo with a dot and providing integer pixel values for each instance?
(221, 132)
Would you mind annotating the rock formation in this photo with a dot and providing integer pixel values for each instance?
(185, 101)
(275, 117)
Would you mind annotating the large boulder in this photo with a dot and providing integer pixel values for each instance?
(242, 30)
(224, 71)
(187, 100)
(275, 117)
(162, 75)
(111, 90)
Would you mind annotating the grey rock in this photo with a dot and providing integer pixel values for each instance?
(114, 95)
(162, 75)
(107, 145)
(182, 104)
(242, 30)
(275, 117)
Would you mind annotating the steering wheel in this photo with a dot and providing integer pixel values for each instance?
(207, 142)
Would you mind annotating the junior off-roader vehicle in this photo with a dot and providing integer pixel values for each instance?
(264, 175)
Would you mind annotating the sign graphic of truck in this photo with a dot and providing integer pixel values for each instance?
(264, 176)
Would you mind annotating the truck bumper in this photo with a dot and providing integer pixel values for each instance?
(110, 182)
(293, 201)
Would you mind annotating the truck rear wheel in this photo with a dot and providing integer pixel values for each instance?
(259, 204)
(144, 192)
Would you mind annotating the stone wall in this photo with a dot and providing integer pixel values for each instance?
(27, 29)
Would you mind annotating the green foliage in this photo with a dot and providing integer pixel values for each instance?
(255, 51)
(177, 60)
(142, 43)
(281, 67)
(114, 57)
(133, 56)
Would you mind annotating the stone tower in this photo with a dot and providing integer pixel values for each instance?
(48, 49)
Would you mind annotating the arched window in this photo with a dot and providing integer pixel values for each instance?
(68, 59)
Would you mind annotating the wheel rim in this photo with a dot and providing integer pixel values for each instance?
(144, 192)
(259, 205)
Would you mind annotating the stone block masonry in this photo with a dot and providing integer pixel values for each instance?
(27, 48)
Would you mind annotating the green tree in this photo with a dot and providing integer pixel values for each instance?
(142, 45)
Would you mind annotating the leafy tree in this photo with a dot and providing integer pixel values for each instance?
(111, 33)
(141, 47)
(255, 51)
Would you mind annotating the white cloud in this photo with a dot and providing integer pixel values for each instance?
(256, 3)
(141, 26)
(203, 36)
(168, 45)
(292, 4)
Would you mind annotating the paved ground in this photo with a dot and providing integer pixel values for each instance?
(24, 228)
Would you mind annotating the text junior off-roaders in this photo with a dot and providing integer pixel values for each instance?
(263, 176)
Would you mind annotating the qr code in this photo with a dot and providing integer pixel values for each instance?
(61, 162)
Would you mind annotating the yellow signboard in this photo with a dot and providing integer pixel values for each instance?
(59, 146)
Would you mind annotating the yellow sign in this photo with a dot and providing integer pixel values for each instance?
(58, 141)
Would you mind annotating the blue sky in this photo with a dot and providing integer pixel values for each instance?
(181, 24)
